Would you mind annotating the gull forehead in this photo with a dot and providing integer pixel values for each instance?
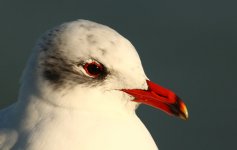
(80, 39)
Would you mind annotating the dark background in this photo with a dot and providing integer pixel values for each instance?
(187, 46)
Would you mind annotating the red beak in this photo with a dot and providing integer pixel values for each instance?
(160, 98)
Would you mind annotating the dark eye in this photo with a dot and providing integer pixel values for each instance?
(93, 69)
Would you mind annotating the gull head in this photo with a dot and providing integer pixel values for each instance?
(88, 66)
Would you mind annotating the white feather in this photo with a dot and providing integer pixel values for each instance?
(79, 117)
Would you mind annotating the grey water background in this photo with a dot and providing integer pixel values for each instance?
(187, 46)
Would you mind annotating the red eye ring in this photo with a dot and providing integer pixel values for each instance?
(93, 69)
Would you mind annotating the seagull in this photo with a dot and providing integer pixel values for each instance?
(79, 91)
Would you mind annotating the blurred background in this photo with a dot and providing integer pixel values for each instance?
(187, 46)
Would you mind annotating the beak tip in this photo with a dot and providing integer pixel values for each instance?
(184, 116)
(183, 111)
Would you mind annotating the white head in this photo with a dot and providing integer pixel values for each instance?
(62, 69)
(84, 65)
